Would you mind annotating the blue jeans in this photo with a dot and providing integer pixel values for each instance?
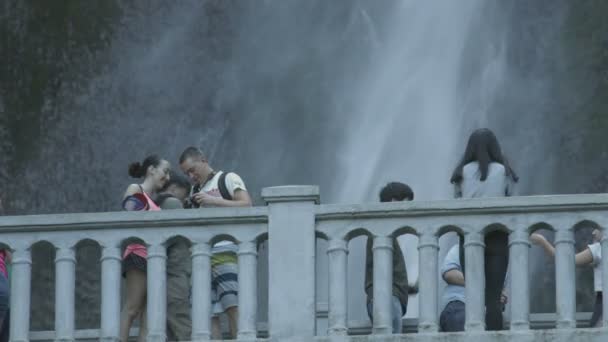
(398, 313)
(452, 317)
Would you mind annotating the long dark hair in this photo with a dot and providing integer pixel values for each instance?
(483, 147)
(138, 170)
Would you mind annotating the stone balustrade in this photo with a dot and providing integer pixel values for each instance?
(291, 222)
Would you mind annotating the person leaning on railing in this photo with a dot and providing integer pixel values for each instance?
(482, 172)
(392, 192)
(592, 255)
(218, 189)
(179, 264)
(138, 197)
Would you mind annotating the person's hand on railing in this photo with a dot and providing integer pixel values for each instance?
(413, 288)
(504, 297)
(537, 239)
(540, 240)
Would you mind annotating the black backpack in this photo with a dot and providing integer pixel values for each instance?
(221, 185)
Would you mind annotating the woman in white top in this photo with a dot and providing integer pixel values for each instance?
(484, 172)
(592, 255)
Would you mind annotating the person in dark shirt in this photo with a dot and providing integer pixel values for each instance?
(392, 192)
(179, 264)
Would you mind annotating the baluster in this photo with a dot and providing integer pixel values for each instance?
(565, 279)
(21, 295)
(248, 290)
(65, 284)
(157, 293)
(201, 291)
(605, 276)
(519, 250)
(428, 248)
(337, 252)
(110, 293)
(474, 282)
(383, 280)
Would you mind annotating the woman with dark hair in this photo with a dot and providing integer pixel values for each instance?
(482, 172)
(155, 173)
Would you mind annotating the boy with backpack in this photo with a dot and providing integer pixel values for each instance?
(218, 189)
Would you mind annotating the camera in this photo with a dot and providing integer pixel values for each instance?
(190, 203)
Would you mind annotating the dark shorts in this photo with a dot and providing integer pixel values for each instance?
(452, 317)
(134, 262)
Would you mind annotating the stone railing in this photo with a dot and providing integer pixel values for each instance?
(292, 221)
(246, 226)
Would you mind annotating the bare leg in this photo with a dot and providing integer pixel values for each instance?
(143, 325)
(216, 331)
(233, 319)
(135, 301)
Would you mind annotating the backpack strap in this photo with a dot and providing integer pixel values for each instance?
(221, 184)
(461, 252)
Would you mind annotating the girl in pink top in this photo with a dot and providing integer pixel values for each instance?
(155, 172)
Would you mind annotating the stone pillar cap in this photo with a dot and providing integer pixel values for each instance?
(291, 193)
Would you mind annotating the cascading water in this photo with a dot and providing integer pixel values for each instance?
(345, 94)
(409, 124)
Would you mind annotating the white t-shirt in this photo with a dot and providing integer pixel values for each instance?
(457, 292)
(596, 252)
(497, 184)
(233, 183)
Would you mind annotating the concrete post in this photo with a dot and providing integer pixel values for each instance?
(291, 250)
